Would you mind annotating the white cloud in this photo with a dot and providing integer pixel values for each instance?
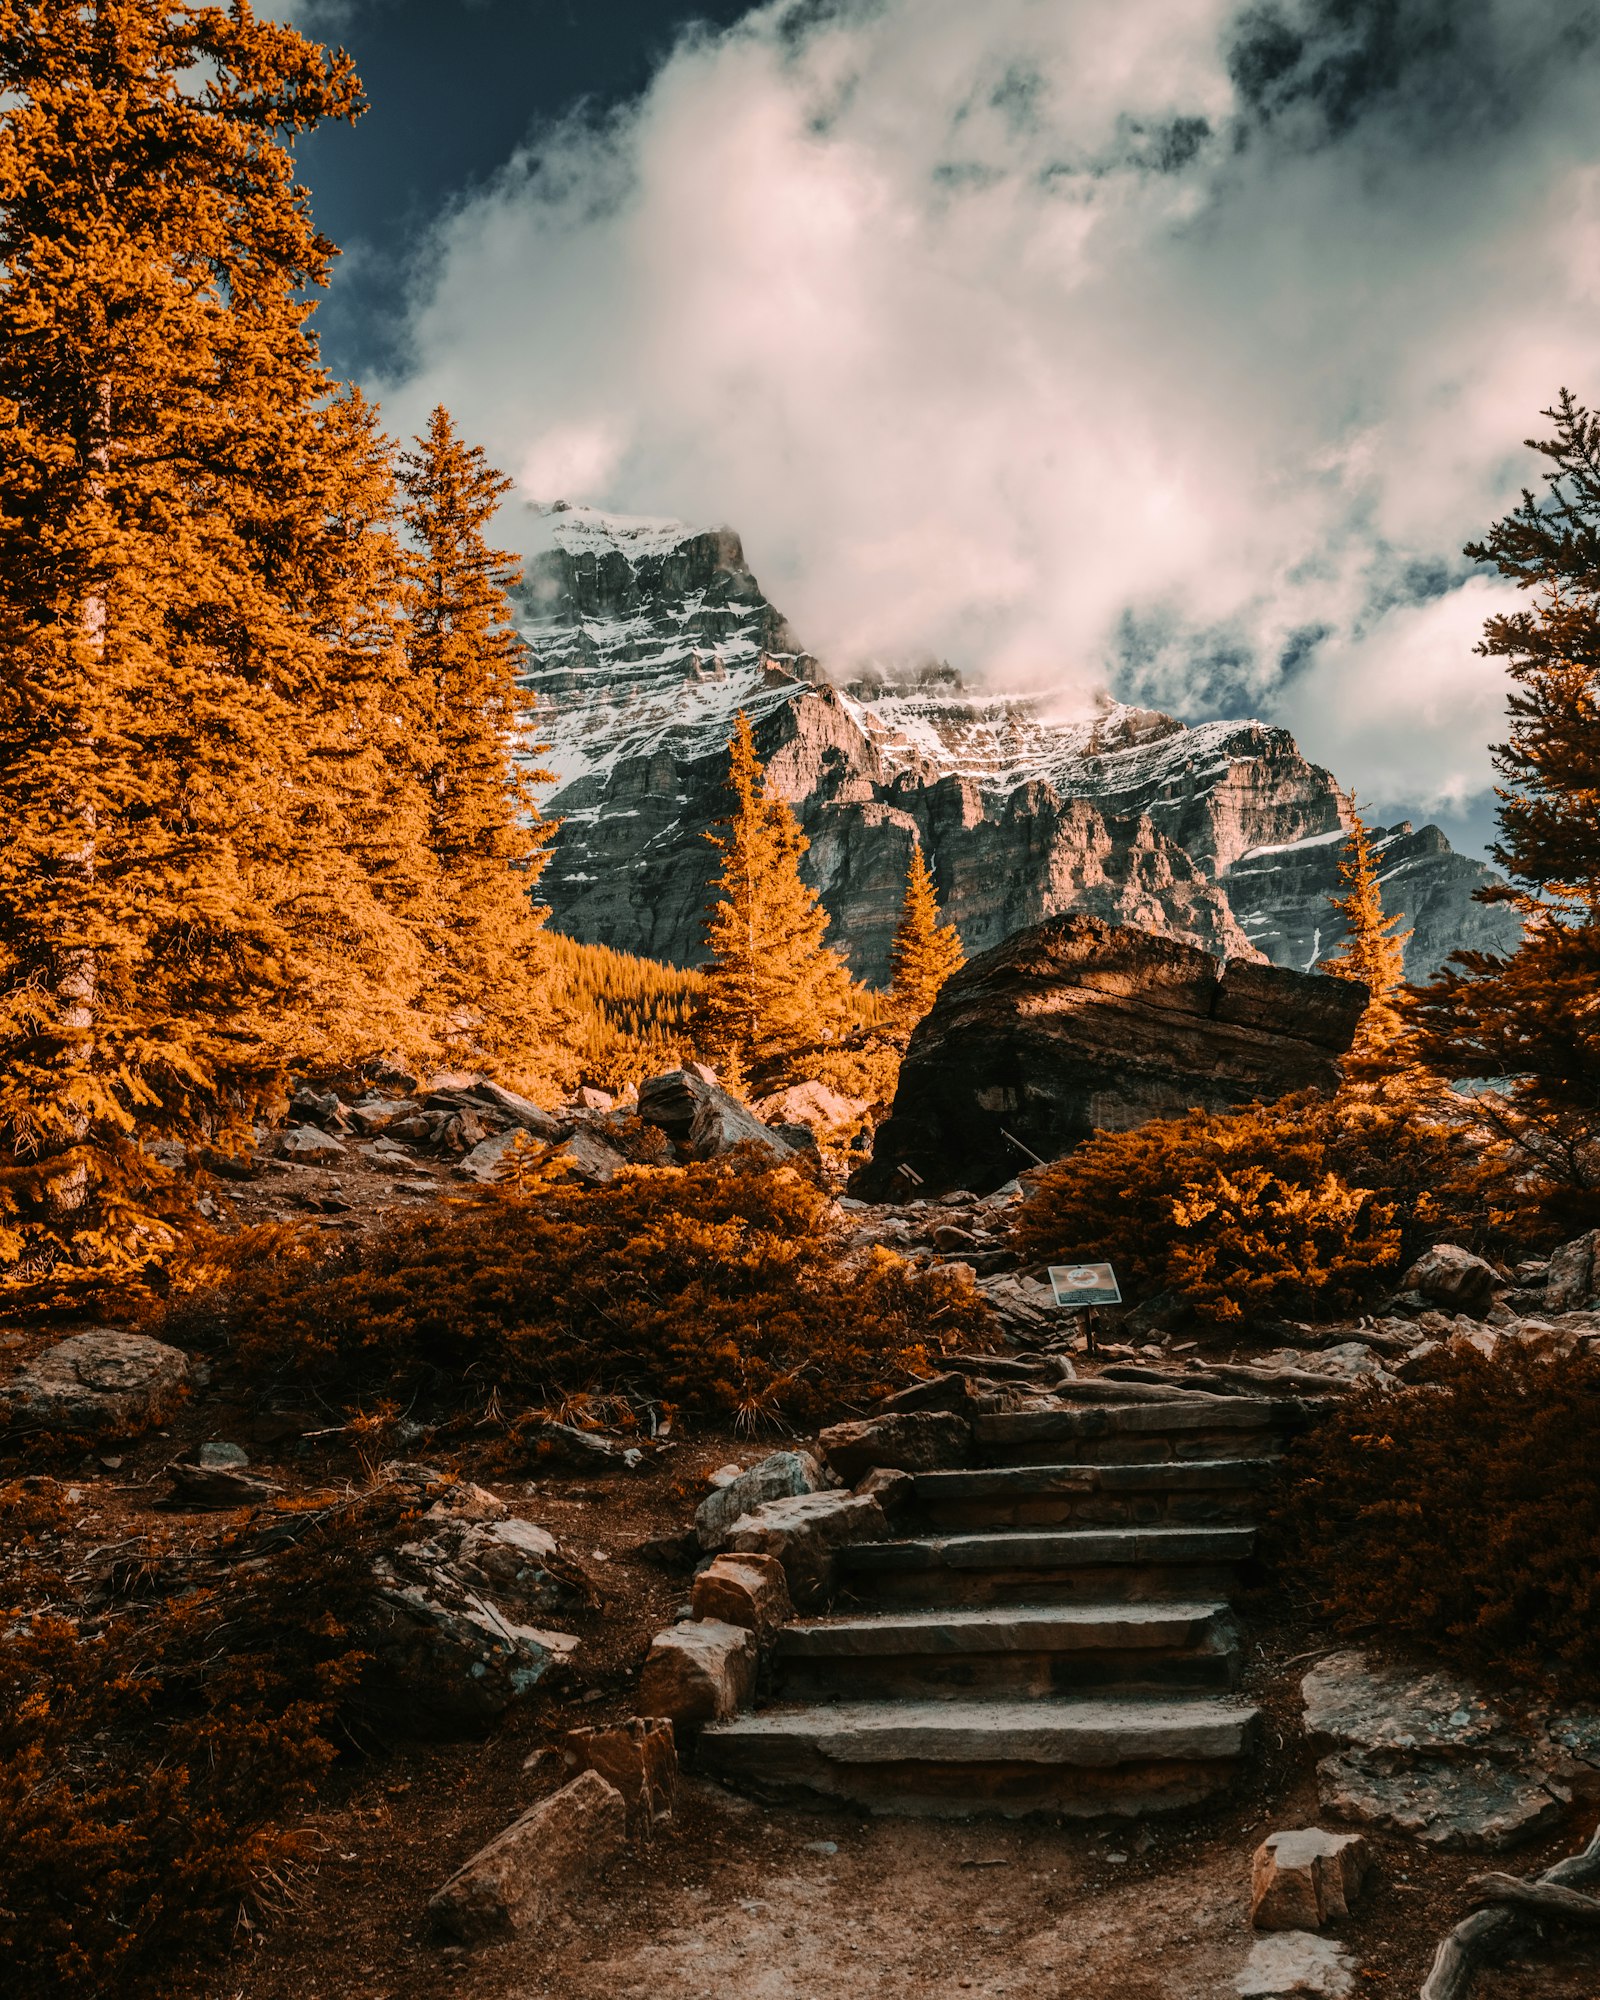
(907, 298)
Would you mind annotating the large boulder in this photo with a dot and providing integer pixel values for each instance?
(1076, 1026)
(92, 1383)
(701, 1119)
(1452, 1278)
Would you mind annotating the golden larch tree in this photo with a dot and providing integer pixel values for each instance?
(490, 978)
(207, 840)
(926, 950)
(773, 987)
(1372, 950)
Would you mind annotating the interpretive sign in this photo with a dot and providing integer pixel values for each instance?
(1085, 1285)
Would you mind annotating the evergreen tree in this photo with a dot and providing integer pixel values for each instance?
(925, 952)
(490, 977)
(773, 988)
(1372, 951)
(208, 842)
(1535, 1016)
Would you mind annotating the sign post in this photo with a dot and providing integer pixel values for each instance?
(1082, 1287)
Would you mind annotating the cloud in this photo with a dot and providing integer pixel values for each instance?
(1176, 348)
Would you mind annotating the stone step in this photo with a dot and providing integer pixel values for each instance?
(1062, 1565)
(1190, 1492)
(957, 1759)
(1033, 1650)
(1187, 1427)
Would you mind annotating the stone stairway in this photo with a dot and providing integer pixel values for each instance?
(1052, 1633)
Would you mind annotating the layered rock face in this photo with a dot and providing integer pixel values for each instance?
(645, 640)
(1077, 1026)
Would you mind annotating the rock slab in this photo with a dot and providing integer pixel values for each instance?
(102, 1380)
(1077, 1026)
(1290, 1964)
(779, 1476)
(806, 1533)
(697, 1672)
(748, 1590)
(903, 1441)
(525, 1872)
(701, 1119)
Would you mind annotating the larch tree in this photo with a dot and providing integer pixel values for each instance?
(1534, 1017)
(208, 842)
(1372, 951)
(926, 950)
(490, 978)
(774, 988)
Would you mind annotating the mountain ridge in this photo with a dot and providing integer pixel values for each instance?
(646, 637)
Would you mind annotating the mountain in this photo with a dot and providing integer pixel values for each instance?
(645, 638)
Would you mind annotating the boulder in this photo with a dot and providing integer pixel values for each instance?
(1452, 1278)
(1291, 1964)
(101, 1380)
(950, 1391)
(746, 1590)
(484, 1161)
(811, 1105)
(805, 1533)
(448, 1661)
(639, 1757)
(1573, 1279)
(1075, 1026)
(587, 1157)
(903, 1441)
(700, 1671)
(520, 1110)
(527, 1872)
(701, 1119)
(1352, 1702)
(310, 1146)
(376, 1114)
(1299, 1880)
(778, 1476)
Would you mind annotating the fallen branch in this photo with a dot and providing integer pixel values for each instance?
(1539, 1899)
(1487, 1933)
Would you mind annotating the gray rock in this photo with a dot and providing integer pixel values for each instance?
(950, 1391)
(1573, 1280)
(1472, 1804)
(101, 1380)
(778, 1476)
(701, 1119)
(1353, 1702)
(376, 1114)
(1291, 1964)
(1452, 1278)
(216, 1456)
(520, 1110)
(310, 1145)
(484, 1161)
(806, 1532)
(587, 1157)
(904, 1441)
(529, 1872)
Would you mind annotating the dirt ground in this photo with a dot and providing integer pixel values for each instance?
(732, 1898)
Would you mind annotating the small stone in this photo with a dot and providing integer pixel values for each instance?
(1289, 1964)
(746, 1590)
(908, 1441)
(1301, 1879)
(216, 1456)
(639, 1757)
(949, 1236)
(779, 1476)
(703, 1671)
(805, 1533)
(527, 1871)
(820, 1846)
(309, 1145)
(587, 1098)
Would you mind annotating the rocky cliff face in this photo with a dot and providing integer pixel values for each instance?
(645, 640)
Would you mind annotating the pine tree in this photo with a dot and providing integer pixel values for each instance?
(490, 977)
(1372, 951)
(925, 952)
(1535, 1017)
(207, 837)
(774, 988)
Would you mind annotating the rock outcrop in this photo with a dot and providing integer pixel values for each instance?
(1077, 1026)
(102, 1381)
(646, 638)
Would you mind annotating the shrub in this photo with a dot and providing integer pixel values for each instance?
(149, 1760)
(1309, 1205)
(1461, 1513)
(723, 1288)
